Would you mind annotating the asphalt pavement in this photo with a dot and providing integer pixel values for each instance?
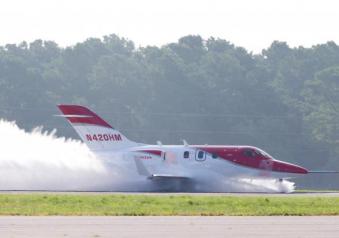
(163, 227)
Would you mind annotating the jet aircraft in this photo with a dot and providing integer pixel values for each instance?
(162, 163)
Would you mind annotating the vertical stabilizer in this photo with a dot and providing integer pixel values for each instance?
(94, 131)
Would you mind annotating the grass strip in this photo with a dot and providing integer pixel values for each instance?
(149, 205)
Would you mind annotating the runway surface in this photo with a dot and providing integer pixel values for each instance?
(235, 227)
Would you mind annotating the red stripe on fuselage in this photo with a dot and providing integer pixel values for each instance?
(235, 154)
(153, 152)
(280, 166)
(232, 154)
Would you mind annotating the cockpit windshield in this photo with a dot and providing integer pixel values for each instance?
(263, 153)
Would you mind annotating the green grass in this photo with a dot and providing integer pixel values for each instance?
(143, 205)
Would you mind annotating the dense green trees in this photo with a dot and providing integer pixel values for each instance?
(322, 106)
(285, 100)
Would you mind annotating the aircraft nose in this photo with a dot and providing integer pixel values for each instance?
(285, 167)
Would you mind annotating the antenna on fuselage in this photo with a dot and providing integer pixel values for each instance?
(159, 143)
(185, 142)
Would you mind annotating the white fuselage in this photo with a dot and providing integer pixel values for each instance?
(172, 161)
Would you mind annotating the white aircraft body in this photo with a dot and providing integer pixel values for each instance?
(162, 163)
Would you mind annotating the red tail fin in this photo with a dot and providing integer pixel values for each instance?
(94, 131)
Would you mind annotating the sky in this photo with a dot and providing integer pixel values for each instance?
(253, 24)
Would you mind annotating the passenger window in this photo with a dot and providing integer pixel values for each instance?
(214, 156)
(186, 154)
(201, 154)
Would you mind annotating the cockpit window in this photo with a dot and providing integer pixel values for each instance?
(249, 153)
(263, 153)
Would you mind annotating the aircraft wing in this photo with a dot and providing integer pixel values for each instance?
(167, 176)
(143, 171)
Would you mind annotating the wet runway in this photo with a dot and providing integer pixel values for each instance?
(82, 227)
